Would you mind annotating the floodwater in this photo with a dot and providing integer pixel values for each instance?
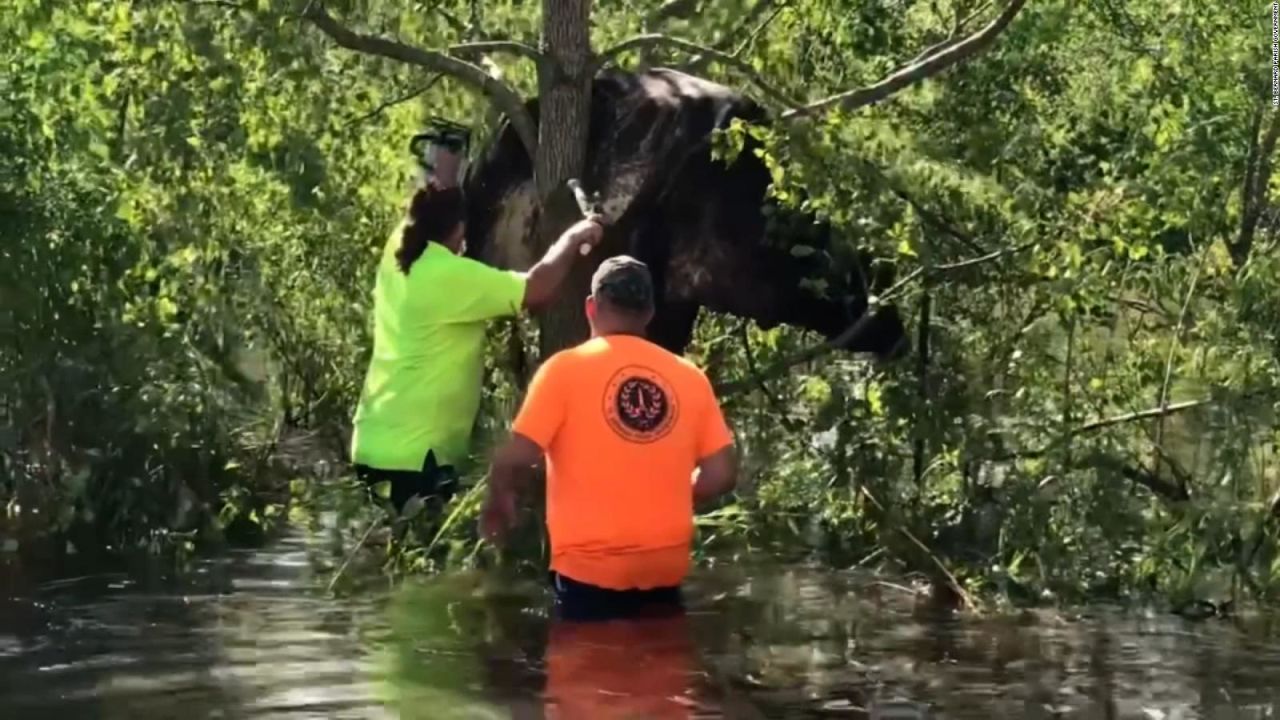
(254, 634)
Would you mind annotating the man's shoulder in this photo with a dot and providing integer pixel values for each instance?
(562, 360)
(681, 368)
(679, 363)
(685, 363)
(648, 353)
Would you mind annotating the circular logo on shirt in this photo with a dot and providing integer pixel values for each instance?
(640, 405)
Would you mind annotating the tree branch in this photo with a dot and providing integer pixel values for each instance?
(228, 4)
(499, 93)
(1142, 306)
(781, 367)
(953, 38)
(510, 47)
(1173, 491)
(996, 255)
(453, 21)
(937, 220)
(962, 22)
(1174, 343)
(947, 575)
(670, 10)
(1251, 161)
(756, 11)
(1257, 180)
(698, 62)
(654, 40)
(777, 405)
(1150, 480)
(388, 104)
(1105, 423)
(915, 72)
(1169, 409)
(931, 217)
(853, 331)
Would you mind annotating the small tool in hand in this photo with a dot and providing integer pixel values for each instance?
(586, 205)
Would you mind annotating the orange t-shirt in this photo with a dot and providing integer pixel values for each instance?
(623, 424)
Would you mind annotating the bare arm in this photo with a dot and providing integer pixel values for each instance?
(717, 475)
(544, 278)
(510, 470)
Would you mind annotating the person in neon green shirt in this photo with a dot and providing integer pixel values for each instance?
(430, 306)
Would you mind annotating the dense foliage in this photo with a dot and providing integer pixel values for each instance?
(193, 193)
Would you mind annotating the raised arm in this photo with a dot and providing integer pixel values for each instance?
(544, 278)
(478, 292)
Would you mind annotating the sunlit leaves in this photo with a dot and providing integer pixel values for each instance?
(180, 193)
(1091, 131)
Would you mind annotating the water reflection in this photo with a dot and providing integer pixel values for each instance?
(252, 635)
(621, 668)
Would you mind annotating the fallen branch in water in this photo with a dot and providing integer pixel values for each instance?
(954, 584)
(352, 554)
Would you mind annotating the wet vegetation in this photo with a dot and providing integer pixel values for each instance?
(1080, 219)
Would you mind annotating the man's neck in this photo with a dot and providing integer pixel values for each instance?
(628, 332)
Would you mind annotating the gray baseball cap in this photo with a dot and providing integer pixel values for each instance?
(625, 283)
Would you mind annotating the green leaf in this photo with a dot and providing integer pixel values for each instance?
(816, 390)
(875, 399)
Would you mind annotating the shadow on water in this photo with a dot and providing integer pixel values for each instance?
(253, 635)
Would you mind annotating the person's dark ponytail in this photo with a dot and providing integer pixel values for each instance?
(433, 214)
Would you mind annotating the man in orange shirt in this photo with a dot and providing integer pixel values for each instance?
(633, 436)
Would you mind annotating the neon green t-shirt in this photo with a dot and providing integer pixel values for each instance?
(422, 390)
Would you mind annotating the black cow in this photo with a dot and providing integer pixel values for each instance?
(698, 223)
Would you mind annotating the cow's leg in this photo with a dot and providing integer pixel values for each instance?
(672, 325)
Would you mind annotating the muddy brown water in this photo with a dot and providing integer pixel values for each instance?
(253, 634)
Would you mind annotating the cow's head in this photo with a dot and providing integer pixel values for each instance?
(702, 225)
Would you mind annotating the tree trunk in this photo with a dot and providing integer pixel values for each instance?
(564, 90)
(923, 421)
